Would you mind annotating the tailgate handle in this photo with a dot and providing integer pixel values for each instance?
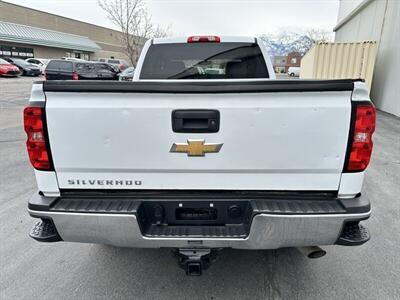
(195, 120)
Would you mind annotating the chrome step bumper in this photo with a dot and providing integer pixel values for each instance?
(267, 231)
(179, 219)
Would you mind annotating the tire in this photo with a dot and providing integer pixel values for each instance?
(291, 74)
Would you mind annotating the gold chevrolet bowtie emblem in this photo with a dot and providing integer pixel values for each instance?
(195, 147)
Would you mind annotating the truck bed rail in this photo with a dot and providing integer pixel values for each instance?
(199, 87)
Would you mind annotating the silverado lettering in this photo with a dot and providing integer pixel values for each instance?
(103, 182)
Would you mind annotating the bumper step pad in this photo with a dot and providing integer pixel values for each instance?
(353, 235)
(45, 231)
(197, 231)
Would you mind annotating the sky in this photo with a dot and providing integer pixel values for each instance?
(224, 17)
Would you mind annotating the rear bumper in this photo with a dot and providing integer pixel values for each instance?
(287, 225)
(33, 72)
(10, 74)
(123, 78)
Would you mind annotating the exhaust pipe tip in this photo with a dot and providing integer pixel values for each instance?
(317, 254)
(312, 252)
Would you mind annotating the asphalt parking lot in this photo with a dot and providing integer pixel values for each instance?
(30, 270)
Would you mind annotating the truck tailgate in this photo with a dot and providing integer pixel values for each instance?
(286, 140)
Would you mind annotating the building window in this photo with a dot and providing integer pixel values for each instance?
(18, 52)
(6, 50)
(293, 60)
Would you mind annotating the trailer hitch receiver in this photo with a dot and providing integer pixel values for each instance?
(195, 260)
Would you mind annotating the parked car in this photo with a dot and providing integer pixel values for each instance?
(242, 161)
(59, 69)
(26, 68)
(120, 63)
(106, 71)
(127, 75)
(72, 59)
(294, 71)
(39, 62)
(8, 70)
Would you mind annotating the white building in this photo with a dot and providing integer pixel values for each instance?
(377, 20)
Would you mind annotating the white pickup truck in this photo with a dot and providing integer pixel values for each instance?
(204, 150)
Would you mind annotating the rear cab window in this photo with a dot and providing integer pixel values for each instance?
(85, 67)
(204, 61)
(34, 61)
(103, 67)
(60, 65)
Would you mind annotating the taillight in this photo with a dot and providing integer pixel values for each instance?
(45, 75)
(204, 39)
(36, 141)
(361, 143)
(75, 76)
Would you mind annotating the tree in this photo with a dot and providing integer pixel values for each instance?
(286, 41)
(134, 22)
(311, 36)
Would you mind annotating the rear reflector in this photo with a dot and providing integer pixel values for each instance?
(204, 39)
(36, 143)
(361, 146)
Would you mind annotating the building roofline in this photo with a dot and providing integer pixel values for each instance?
(352, 14)
(44, 29)
(59, 16)
(360, 42)
(25, 34)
